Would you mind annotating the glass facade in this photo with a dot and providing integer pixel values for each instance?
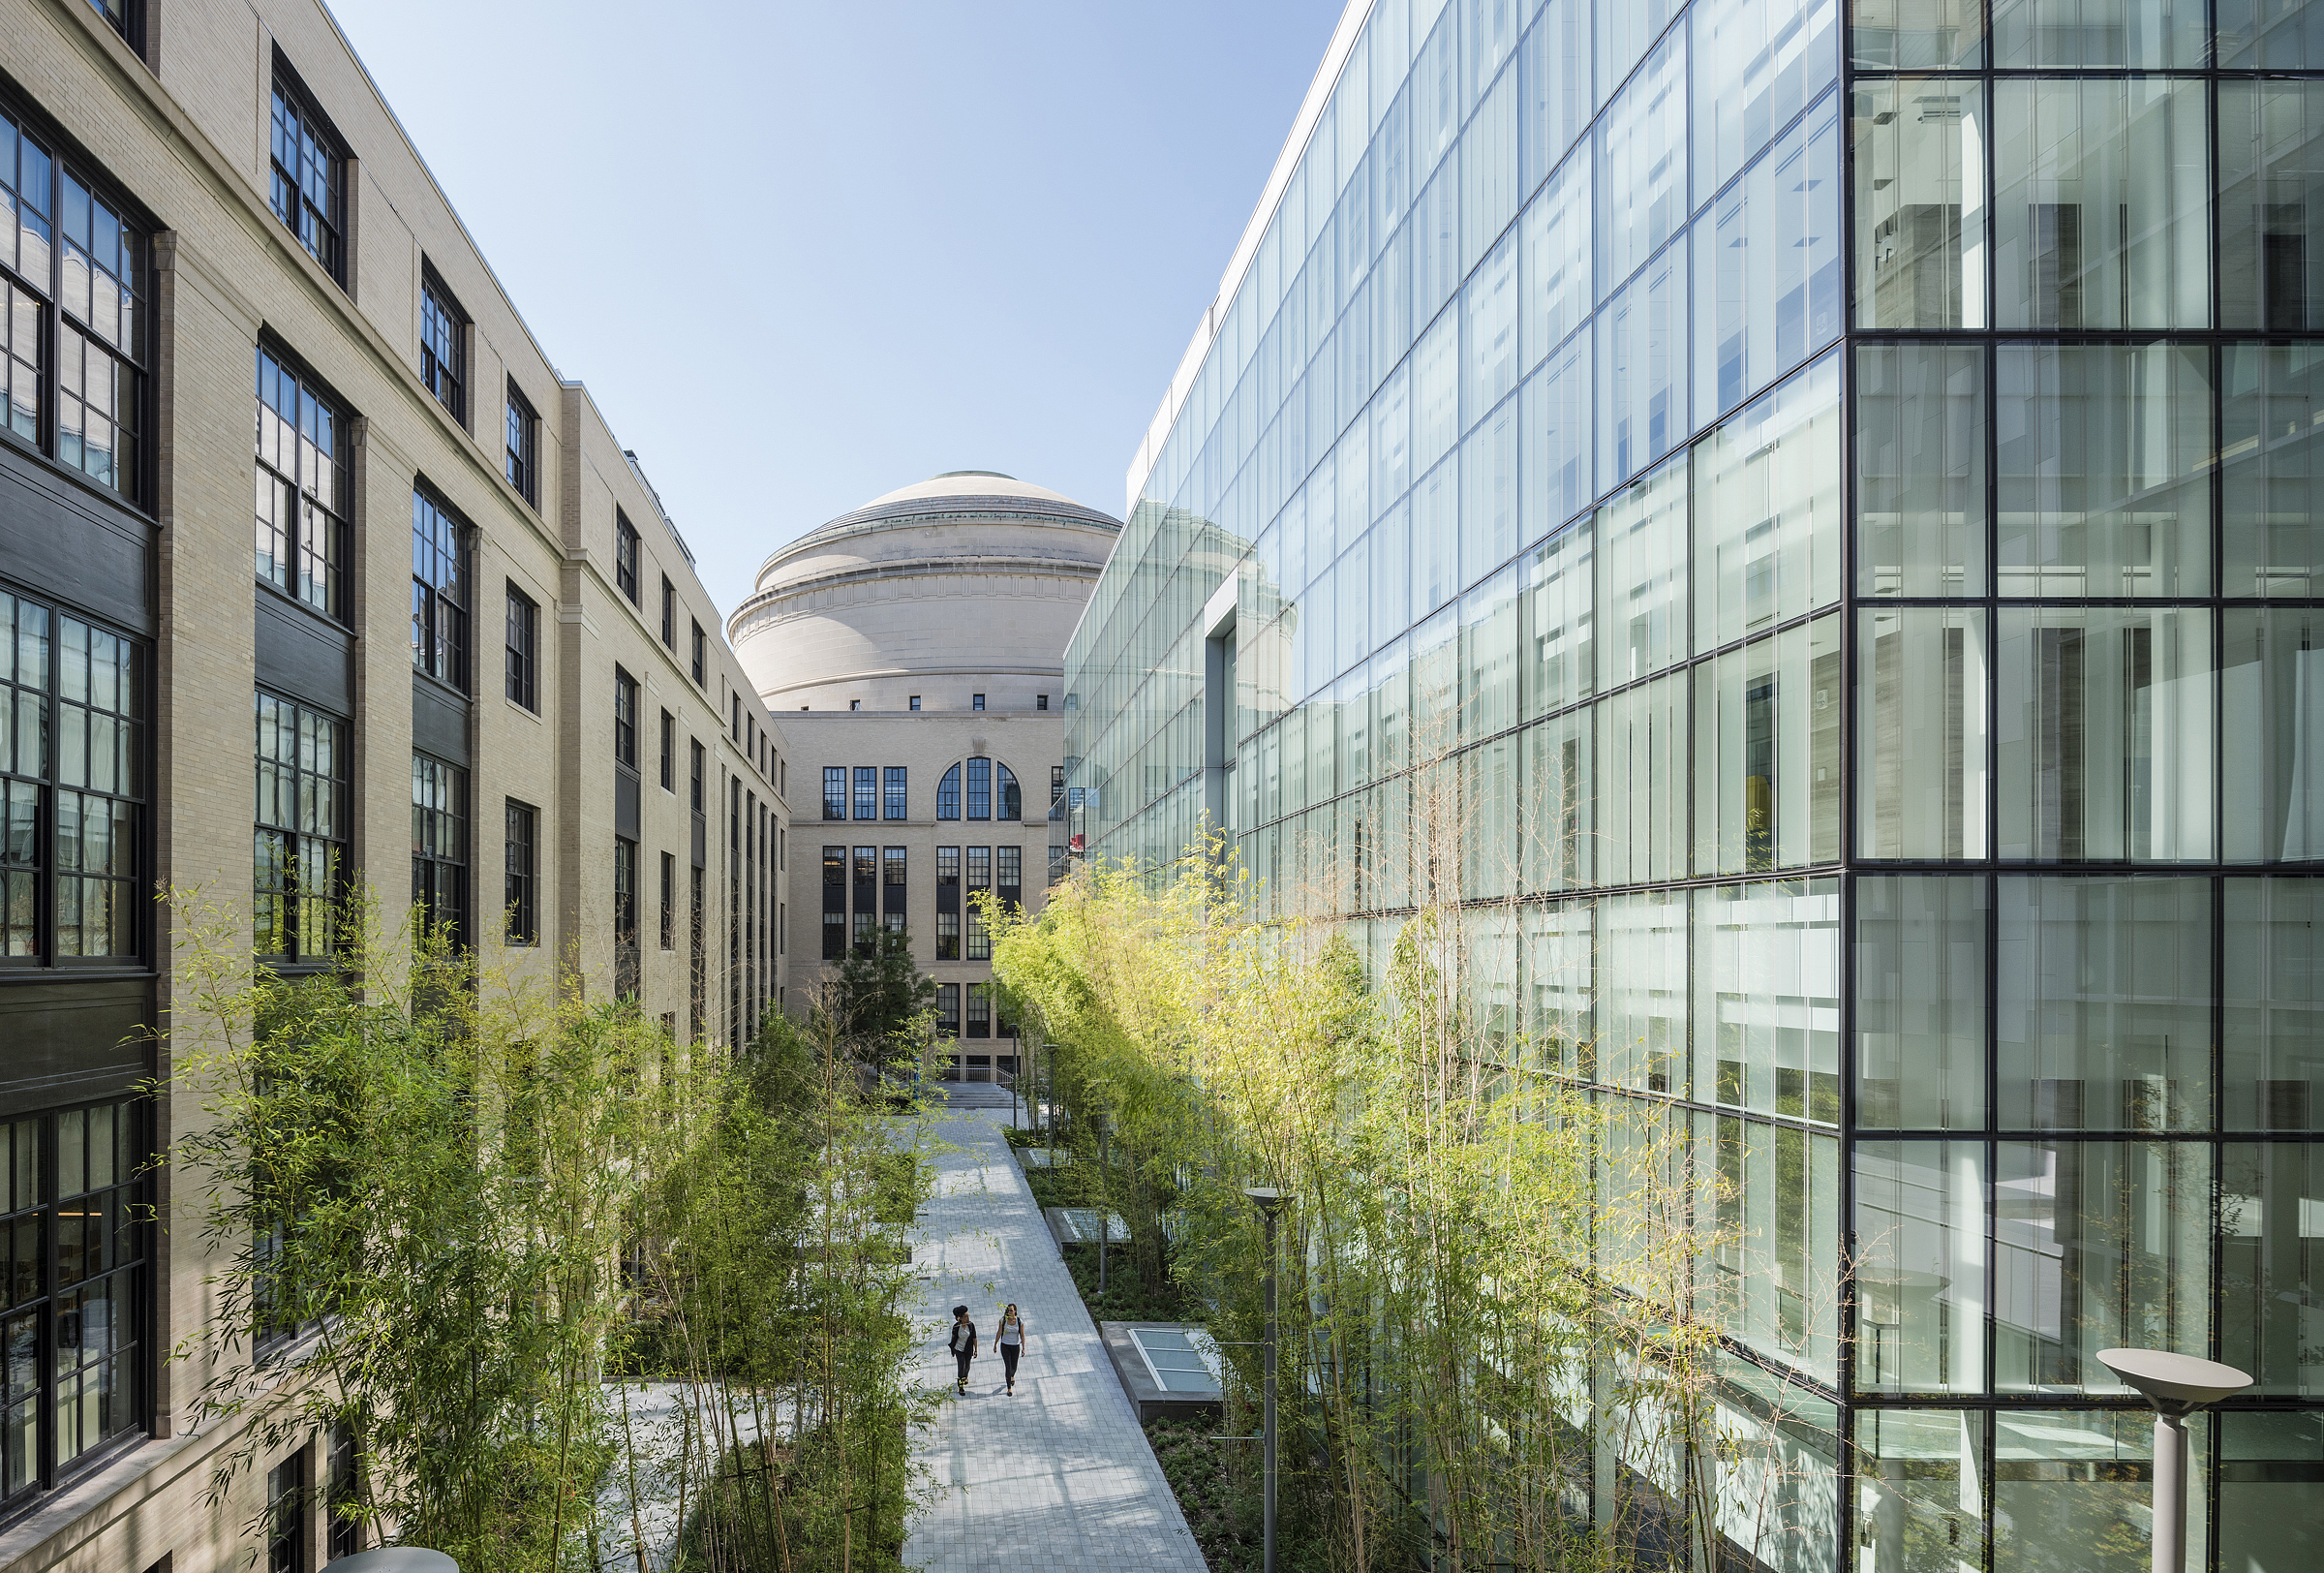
(1799, 518)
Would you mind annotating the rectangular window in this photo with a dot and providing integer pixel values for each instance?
(301, 507)
(71, 379)
(976, 701)
(72, 1177)
(442, 346)
(948, 937)
(522, 666)
(309, 170)
(835, 791)
(127, 18)
(518, 900)
(980, 1010)
(980, 877)
(521, 463)
(669, 751)
(624, 555)
(439, 593)
(699, 652)
(893, 789)
(1920, 732)
(344, 1535)
(286, 1515)
(439, 846)
(1056, 784)
(1920, 470)
(980, 788)
(948, 1009)
(867, 793)
(1918, 146)
(625, 918)
(915, 702)
(1008, 874)
(300, 835)
(669, 613)
(835, 903)
(1040, 702)
(695, 788)
(71, 772)
(625, 718)
(669, 900)
(865, 921)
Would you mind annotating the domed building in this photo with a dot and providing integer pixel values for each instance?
(914, 653)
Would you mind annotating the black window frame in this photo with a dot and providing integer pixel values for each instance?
(701, 665)
(443, 329)
(440, 596)
(520, 889)
(669, 615)
(521, 458)
(126, 17)
(976, 701)
(440, 836)
(319, 230)
(669, 898)
(308, 900)
(521, 669)
(343, 1494)
(626, 966)
(301, 469)
(109, 1249)
(696, 772)
(867, 793)
(626, 553)
(624, 718)
(835, 791)
(285, 1524)
(896, 792)
(670, 754)
(50, 328)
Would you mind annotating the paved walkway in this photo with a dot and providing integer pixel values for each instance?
(1058, 1477)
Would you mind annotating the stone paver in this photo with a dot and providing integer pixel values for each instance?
(1060, 1476)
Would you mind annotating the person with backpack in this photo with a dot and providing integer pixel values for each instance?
(964, 1344)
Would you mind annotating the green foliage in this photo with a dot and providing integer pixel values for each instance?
(881, 995)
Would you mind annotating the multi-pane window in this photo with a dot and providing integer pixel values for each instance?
(894, 868)
(72, 1288)
(980, 1010)
(835, 791)
(286, 1521)
(988, 781)
(948, 794)
(443, 347)
(301, 507)
(439, 593)
(980, 879)
(300, 838)
(72, 775)
(948, 1009)
(700, 655)
(625, 918)
(625, 718)
(1056, 784)
(669, 897)
(695, 778)
(669, 613)
(896, 799)
(309, 170)
(521, 463)
(835, 903)
(72, 316)
(948, 937)
(624, 555)
(669, 751)
(438, 845)
(518, 890)
(522, 665)
(1008, 873)
(126, 17)
(344, 1537)
(976, 701)
(867, 793)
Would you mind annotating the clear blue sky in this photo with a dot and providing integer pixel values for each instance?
(803, 254)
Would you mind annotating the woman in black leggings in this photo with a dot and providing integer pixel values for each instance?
(1011, 1340)
(962, 1342)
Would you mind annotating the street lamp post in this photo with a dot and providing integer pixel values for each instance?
(1105, 1206)
(2177, 1385)
(1270, 1202)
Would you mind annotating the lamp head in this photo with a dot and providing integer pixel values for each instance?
(2175, 1384)
(1270, 1199)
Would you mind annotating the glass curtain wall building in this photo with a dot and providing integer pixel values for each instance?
(1825, 503)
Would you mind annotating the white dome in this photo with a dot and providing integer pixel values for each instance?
(970, 483)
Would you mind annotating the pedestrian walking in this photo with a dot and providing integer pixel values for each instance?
(1011, 1338)
(964, 1342)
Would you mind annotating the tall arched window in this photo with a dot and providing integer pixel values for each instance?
(980, 788)
(1012, 801)
(982, 772)
(948, 794)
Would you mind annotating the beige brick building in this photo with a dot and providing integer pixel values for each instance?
(481, 670)
(914, 649)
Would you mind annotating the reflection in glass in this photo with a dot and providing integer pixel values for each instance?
(1767, 511)
(1767, 266)
(2270, 35)
(1920, 470)
(1488, 820)
(1920, 1495)
(2073, 1489)
(1642, 772)
(1560, 664)
(1921, 732)
(2102, 1009)
(1920, 1272)
(2275, 1000)
(1557, 296)
(2270, 1266)
(1771, 1268)
(1558, 803)
(1641, 338)
(2270, 1467)
(1642, 578)
(1643, 164)
(2272, 453)
(1758, 63)
(1642, 991)
(1767, 997)
(1921, 1003)
(2105, 728)
(2271, 205)
(2102, 203)
(1554, 438)
(2032, 35)
(2104, 453)
(1767, 752)
(1916, 35)
(1919, 146)
(2098, 1245)
(2272, 702)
